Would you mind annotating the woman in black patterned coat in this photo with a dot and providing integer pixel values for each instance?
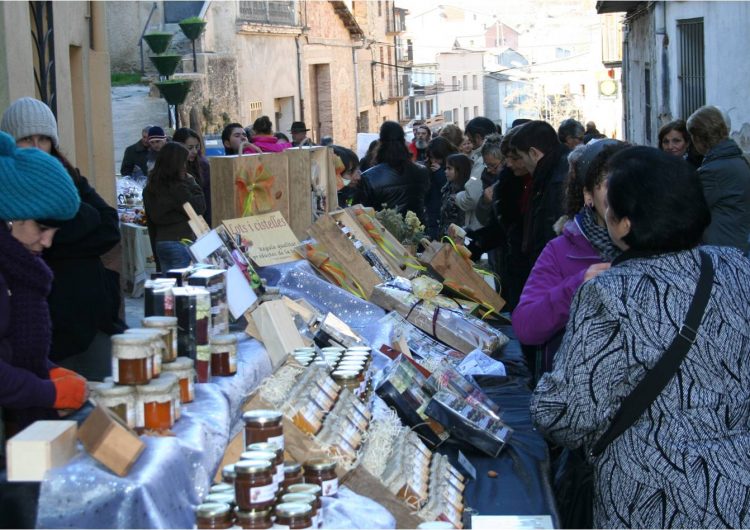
(684, 462)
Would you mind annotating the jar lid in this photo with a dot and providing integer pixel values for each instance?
(227, 498)
(224, 339)
(320, 464)
(262, 416)
(359, 348)
(252, 466)
(212, 509)
(258, 455)
(292, 468)
(222, 488)
(304, 498)
(107, 390)
(269, 447)
(181, 363)
(159, 322)
(304, 349)
(130, 339)
(253, 515)
(342, 375)
(228, 471)
(312, 489)
(162, 385)
(153, 332)
(293, 509)
(337, 349)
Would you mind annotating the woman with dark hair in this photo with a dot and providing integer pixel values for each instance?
(264, 138)
(438, 150)
(368, 161)
(197, 164)
(395, 182)
(350, 175)
(675, 140)
(169, 187)
(457, 172)
(679, 460)
(85, 299)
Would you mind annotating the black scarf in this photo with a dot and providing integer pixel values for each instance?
(596, 235)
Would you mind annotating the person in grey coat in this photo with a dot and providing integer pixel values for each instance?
(725, 175)
(684, 462)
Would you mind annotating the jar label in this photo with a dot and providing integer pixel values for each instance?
(140, 417)
(279, 477)
(260, 494)
(191, 388)
(232, 361)
(278, 440)
(130, 415)
(157, 364)
(115, 369)
(280, 526)
(149, 367)
(330, 487)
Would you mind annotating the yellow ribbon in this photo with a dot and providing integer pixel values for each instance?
(254, 190)
(374, 232)
(334, 271)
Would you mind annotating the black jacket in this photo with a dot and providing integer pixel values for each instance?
(85, 296)
(135, 155)
(402, 191)
(167, 220)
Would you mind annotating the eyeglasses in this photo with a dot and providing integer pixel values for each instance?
(493, 168)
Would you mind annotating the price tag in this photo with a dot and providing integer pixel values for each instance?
(468, 467)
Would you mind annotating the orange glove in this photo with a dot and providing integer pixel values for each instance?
(58, 372)
(70, 392)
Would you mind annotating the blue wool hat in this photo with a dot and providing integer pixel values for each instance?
(34, 185)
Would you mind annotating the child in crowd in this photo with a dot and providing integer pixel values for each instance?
(457, 172)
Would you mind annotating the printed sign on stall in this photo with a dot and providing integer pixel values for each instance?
(266, 238)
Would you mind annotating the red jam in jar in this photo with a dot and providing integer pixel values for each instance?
(263, 426)
(254, 488)
(322, 472)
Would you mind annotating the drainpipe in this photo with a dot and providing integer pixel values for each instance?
(299, 80)
(356, 87)
(140, 41)
(660, 16)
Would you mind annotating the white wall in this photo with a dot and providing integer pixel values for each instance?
(459, 64)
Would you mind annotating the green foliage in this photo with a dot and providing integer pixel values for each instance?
(166, 64)
(408, 230)
(158, 41)
(125, 79)
(174, 90)
(192, 27)
(191, 20)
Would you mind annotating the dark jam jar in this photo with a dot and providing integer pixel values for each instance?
(256, 520)
(306, 498)
(213, 515)
(278, 460)
(254, 488)
(294, 515)
(292, 475)
(322, 472)
(223, 355)
(263, 426)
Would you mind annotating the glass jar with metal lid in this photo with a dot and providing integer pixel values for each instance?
(346, 379)
(278, 461)
(157, 346)
(306, 498)
(213, 515)
(155, 410)
(170, 339)
(312, 489)
(292, 475)
(277, 473)
(322, 471)
(254, 488)
(223, 355)
(222, 487)
(120, 399)
(182, 367)
(254, 520)
(226, 498)
(294, 515)
(263, 425)
(131, 359)
(228, 474)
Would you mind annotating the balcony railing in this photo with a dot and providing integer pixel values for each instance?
(276, 13)
(395, 21)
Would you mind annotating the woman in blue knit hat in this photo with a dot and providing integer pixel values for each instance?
(85, 298)
(38, 197)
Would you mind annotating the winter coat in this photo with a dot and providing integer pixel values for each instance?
(469, 198)
(433, 201)
(544, 308)
(135, 155)
(684, 462)
(270, 144)
(725, 175)
(402, 191)
(450, 213)
(26, 393)
(546, 199)
(85, 296)
(166, 216)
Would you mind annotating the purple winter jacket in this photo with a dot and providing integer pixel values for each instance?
(544, 308)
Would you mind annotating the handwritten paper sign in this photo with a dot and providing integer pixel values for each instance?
(267, 238)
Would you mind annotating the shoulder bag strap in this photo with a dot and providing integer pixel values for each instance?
(645, 392)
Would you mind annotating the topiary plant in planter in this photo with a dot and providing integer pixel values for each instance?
(192, 27)
(166, 64)
(158, 41)
(174, 90)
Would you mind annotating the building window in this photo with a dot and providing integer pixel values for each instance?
(647, 103)
(465, 85)
(256, 110)
(455, 115)
(265, 12)
(380, 8)
(476, 111)
(448, 116)
(692, 74)
(454, 83)
(474, 82)
(382, 62)
(466, 115)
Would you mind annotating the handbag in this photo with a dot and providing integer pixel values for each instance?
(575, 478)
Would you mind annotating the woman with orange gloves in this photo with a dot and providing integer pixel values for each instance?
(38, 195)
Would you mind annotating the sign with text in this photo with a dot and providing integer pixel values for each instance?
(266, 239)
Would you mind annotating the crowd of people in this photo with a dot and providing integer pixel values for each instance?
(599, 246)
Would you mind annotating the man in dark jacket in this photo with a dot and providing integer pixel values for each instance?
(395, 181)
(136, 155)
(725, 175)
(547, 160)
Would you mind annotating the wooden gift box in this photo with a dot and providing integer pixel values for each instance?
(295, 182)
(39, 447)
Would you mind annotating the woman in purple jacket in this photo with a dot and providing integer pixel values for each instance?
(582, 251)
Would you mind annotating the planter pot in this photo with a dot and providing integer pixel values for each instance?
(175, 90)
(158, 41)
(166, 64)
(193, 30)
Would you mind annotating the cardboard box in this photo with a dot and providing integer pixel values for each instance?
(276, 327)
(39, 447)
(110, 441)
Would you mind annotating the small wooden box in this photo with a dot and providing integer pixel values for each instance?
(110, 441)
(39, 447)
(275, 325)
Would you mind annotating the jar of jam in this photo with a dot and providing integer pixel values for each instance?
(182, 367)
(347, 379)
(256, 519)
(292, 475)
(228, 475)
(156, 408)
(119, 399)
(213, 515)
(311, 489)
(175, 394)
(322, 471)
(294, 515)
(131, 359)
(169, 324)
(311, 500)
(263, 425)
(202, 363)
(157, 347)
(254, 488)
(278, 461)
(223, 355)
(271, 457)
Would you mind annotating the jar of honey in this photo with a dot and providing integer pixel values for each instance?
(254, 488)
(292, 475)
(278, 460)
(156, 409)
(294, 515)
(157, 347)
(120, 399)
(170, 339)
(223, 355)
(263, 425)
(182, 367)
(255, 520)
(322, 471)
(131, 359)
(213, 515)
(311, 500)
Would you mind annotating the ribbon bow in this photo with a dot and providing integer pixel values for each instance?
(254, 190)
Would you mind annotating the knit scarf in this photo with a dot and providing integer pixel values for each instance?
(596, 235)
